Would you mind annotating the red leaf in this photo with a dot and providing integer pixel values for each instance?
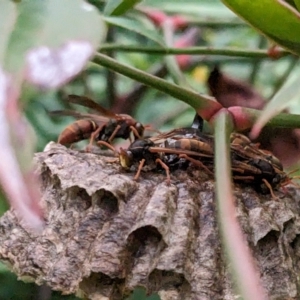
(20, 188)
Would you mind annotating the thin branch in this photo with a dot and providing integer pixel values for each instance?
(215, 23)
(204, 104)
(138, 91)
(196, 50)
(256, 64)
(169, 116)
(161, 71)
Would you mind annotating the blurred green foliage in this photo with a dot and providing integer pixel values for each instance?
(153, 107)
(140, 294)
(13, 289)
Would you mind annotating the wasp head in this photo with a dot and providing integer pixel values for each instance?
(126, 158)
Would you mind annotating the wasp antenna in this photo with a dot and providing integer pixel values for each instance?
(149, 127)
(293, 171)
(290, 181)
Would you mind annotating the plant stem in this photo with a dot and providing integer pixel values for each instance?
(206, 106)
(216, 23)
(282, 120)
(256, 64)
(239, 256)
(230, 51)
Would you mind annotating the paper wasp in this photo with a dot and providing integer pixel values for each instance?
(252, 164)
(102, 127)
(171, 150)
(261, 166)
(180, 147)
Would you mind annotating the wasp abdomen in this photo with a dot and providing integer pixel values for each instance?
(77, 131)
(192, 145)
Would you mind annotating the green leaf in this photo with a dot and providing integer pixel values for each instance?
(23, 36)
(275, 18)
(7, 20)
(296, 3)
(278, 103)
(3, 268)
(51, 23)
(134, 25)
(119, 7)
(292, 3)
(139, 293)
(206, 9)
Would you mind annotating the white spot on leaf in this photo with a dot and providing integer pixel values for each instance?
(51, 68)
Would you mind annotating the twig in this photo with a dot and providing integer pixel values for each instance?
(196, 50)
(256, 64)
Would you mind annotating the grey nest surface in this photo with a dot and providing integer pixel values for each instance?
(106, 234)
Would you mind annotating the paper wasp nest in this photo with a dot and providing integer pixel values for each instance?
(107, 234)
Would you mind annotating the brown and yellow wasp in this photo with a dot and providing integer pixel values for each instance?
(103, 126)
(168, 150)
(180, 147)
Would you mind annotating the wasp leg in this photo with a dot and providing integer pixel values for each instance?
(109, 146)
(269, 187)
(137, 175)
(92, 138)
(238, 170)
(286, 182)
(293, 171)
(159, 161)
(135, 132)
(243, 167)
(111, 138)
(243, 177)
(196, 163)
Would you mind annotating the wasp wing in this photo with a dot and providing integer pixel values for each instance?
(180, 133)
(87, 102)
(71, 113)
(178, 151)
